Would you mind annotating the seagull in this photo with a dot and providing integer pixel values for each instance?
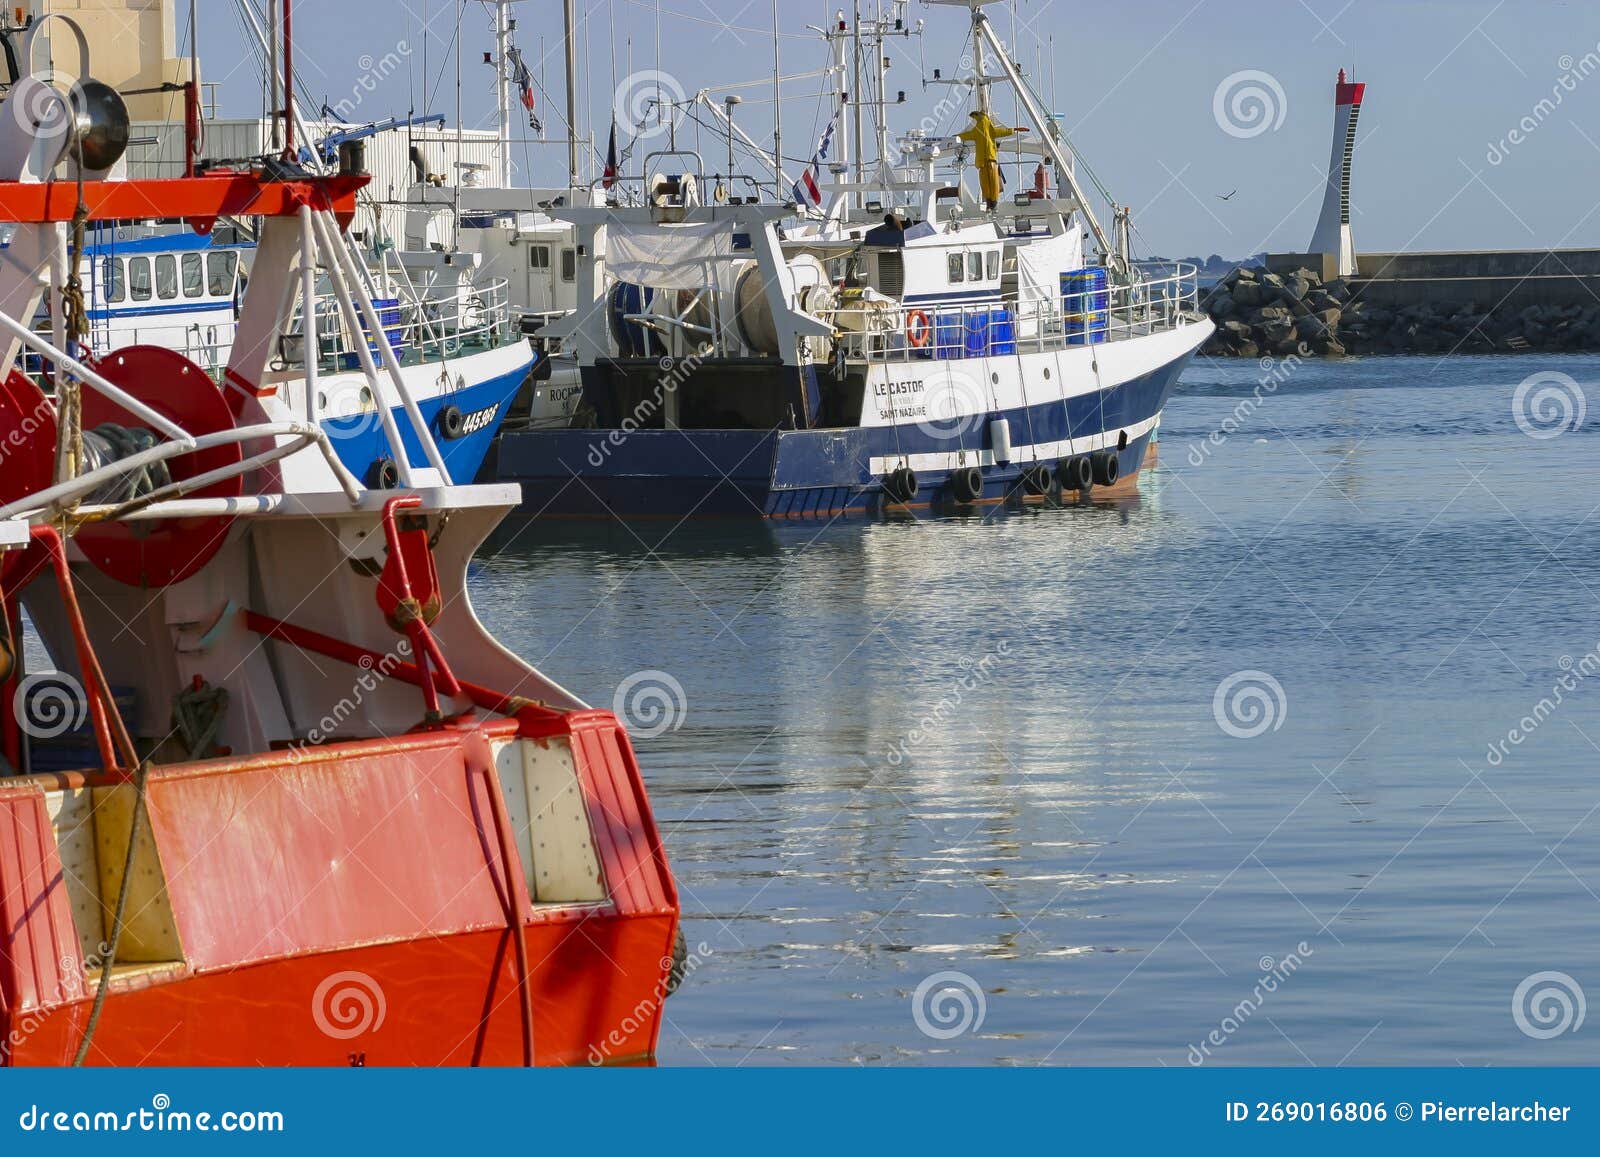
(1229, 197)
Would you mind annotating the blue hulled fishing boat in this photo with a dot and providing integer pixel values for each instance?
(910, 342)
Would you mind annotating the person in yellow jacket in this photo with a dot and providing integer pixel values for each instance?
(982, 136)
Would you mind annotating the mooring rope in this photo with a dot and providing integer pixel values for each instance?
(109, 961)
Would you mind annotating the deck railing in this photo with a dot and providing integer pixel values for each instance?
(447, 323)
(1160, 297)
(419, 330)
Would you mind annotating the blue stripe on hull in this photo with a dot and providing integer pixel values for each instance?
(360, 441)
(793, 473)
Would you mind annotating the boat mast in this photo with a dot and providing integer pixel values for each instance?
(859, 172)
(984, 35)
(837, 38)
(572, 94)
(460, 173)
(777, 109)
(502, 42)
(196, 115)
(274, 101)
(288, 79)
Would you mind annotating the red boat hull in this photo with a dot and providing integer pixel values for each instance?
(445, 1002)
(348, 905)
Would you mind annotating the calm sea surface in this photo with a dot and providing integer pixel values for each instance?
(962, 790)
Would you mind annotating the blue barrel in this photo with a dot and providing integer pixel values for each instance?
(633, 341)
(1086, 305)
(951, 338)
(977, 335)
(1002, 333)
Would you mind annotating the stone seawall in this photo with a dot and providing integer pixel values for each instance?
(1259, 313)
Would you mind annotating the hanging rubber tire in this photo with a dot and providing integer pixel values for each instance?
(451, 424)
(1075, 474)
(900, 486)
(383, 475)
(966, 485)
(1107, 468)
(1036, 480)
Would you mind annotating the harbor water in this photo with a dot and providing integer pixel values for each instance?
(1289, 759)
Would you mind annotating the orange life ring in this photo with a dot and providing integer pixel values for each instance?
(919, 329)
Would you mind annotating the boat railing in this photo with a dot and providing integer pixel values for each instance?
(206, 345)
(446, 322)
(1158, 297)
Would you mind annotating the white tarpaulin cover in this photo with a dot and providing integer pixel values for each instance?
(1040, 265)
(668, 256)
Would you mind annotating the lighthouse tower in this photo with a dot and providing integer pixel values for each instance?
(1333, 228)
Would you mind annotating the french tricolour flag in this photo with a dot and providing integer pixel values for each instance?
(808, 189)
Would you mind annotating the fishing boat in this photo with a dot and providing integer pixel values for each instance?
(476, 218)
(279, 798)
(461, 353)
(895, 340)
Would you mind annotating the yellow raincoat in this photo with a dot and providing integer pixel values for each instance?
(982, 136)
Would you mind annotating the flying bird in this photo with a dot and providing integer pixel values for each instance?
(1229, 197)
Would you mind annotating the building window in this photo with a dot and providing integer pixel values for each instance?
(974, 267)
(194, 275)
(221, 269)
(116, 283)
(166, 277)
(957, 269)
(139, 278)
(994, 264)
(538, 257)
(569, 265)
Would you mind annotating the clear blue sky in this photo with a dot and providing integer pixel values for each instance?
(1135, 83)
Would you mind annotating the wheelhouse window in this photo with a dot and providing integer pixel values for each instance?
(166, 277)
(993, 261)
(569, 265)
(221, 268)
(974, 267)
(139, 278)
(538, 257)
(116, 282)
(957, 269)
(194, 275)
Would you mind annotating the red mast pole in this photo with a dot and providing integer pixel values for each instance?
(191, 126)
